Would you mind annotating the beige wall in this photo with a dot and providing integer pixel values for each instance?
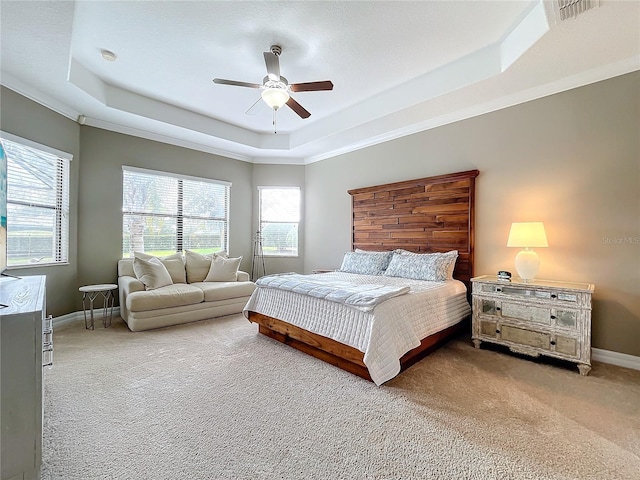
(100, 195)
(280, 176)
(570, 160)
(24, 118)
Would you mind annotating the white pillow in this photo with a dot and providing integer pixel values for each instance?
(197, 265)
(151, 272)
(435, 267)
(174, 264)
(223, 269)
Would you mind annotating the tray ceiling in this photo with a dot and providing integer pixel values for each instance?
(397, 67)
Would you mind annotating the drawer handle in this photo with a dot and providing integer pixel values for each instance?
(552, 342)
(498, 309)
(497, 331)
(553, 295)
(553, 317)
(498, 289)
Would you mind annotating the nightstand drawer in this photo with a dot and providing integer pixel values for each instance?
(535, 314)
(489, 329)
(528, 294)
(566, 345)
(525, 337)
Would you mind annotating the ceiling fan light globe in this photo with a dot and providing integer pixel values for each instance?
(275, 97)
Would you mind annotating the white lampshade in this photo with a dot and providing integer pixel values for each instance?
(527, 235)
(275, 97)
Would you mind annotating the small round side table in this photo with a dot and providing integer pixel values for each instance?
(91, 292)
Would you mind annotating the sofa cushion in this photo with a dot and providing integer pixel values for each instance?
(151, 272)
(174, 264)
(175, 295)
(214, 291)
(223, 269)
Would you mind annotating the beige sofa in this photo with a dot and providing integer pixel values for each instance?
(180, 302)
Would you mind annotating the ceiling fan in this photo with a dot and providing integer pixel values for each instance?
(276, 90)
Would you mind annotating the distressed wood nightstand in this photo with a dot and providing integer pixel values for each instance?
(539, 317)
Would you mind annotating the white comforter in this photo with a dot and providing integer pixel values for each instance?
(364, 297)
(384, 334)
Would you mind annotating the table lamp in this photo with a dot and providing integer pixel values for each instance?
(527, 235)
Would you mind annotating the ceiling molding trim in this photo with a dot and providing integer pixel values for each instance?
(18, 86)
(623, 67)
(135, 132)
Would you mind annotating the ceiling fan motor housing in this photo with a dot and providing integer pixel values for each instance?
(276, 50)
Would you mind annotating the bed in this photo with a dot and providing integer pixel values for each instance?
(428, 215)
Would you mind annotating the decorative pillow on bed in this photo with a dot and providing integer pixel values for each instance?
(173, 263)
(370, 263)
(151, 272)
(223, 269)
(435, 267)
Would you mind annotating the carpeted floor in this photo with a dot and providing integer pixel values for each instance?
(216, 400)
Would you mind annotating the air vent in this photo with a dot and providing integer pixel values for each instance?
(573, 8)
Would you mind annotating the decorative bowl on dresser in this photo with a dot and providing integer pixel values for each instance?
(538, 317)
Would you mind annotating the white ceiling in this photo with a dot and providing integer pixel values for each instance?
(398, 67)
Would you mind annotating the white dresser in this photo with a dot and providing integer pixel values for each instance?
(22, 321)
(540, 317)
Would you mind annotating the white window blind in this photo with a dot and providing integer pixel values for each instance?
(37, 203)
(164, 213)
(279, 220)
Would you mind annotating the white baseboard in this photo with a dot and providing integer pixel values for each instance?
(79, 317)
(615, 358)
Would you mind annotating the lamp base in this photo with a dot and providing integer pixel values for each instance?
(527, 264)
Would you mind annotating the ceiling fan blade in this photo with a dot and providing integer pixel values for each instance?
(256, 108)
(222, 81)
(311, 86)
(296, 107)
(273, 66)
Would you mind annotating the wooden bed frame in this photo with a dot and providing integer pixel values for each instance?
(427, 215)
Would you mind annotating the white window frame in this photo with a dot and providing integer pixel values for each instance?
(179, 216)
(263, 223)
(60, 250)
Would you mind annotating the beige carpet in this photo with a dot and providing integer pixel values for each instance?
(216, 400)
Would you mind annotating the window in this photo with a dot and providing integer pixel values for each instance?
(37, 203)
(164, 213)
(279, 218)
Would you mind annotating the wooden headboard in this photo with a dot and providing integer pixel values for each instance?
(427, 215)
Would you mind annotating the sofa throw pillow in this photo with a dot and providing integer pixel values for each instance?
(197, 265)
(434, 267)
(173, 263)
(370, 263)
(152, 273)
(223, 269)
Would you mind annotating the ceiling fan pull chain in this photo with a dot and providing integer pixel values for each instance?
(274, 121)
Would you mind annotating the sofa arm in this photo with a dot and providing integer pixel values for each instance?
(130, 284)
(242, 276)
(126, 286)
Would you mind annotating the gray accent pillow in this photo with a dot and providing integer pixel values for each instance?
(369, 263)
(434, 267)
